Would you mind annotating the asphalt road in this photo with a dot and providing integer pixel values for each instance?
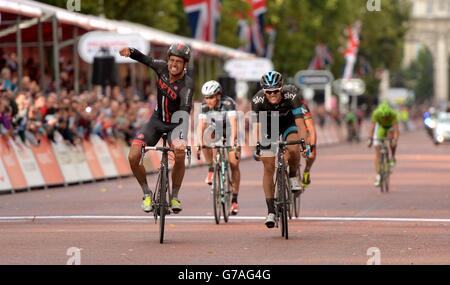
(343, 217)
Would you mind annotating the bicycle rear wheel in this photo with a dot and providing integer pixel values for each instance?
(296, 203)
(286, 206)
(226, 203)
(387, 174)
(216, 194)
(290, 199)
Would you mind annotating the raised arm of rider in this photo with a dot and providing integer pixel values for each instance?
(157, 65)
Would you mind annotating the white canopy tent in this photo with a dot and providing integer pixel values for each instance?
(37, 13)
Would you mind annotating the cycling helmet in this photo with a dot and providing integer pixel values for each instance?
(180, 50)
(272, 80)
(211, 88)
(384, 109)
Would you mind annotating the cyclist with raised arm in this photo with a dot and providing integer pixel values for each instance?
(174, 93)
(219, 114)
(288, 104)
(384, 125)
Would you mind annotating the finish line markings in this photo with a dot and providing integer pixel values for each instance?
(323, 219)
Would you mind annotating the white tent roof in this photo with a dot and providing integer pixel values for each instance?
(36, 9)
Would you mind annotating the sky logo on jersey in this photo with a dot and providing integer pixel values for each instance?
(289, 95)
(258, 100)
(203, 17)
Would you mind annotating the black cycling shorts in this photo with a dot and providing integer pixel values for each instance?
(287, 126)
(152, 132)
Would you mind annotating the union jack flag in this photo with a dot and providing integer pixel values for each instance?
(203, 17)
(323, 58)
(351, 51)
(253, 36)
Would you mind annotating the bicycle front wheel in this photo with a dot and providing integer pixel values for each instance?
(282, 203)
(163, 204)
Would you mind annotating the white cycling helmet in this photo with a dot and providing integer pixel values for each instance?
(211, 88)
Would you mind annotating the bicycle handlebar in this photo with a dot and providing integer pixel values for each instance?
(187, 151)
(283, 144)
(235, 149)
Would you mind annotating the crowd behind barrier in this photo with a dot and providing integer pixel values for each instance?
(59, 139)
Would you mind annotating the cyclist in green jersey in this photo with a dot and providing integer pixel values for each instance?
(384, 125)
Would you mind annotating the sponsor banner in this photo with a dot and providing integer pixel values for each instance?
(47, 163)
(5, 184)
(12, 166)
(28, 164)
(248, 69)
(92, 161)
(121, 161)
(63, 156)
(91, 44)
(78, 159)
(104, 157)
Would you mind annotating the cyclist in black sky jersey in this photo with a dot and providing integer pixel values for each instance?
(285, 103)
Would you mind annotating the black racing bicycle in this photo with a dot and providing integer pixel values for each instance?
(282, 186)
(221, 186)
(163, 193)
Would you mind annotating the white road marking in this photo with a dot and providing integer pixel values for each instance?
(243, 218)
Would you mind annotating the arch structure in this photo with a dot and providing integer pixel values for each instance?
(430, 27)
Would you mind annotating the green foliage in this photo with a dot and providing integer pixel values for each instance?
(300, 26)
(418, 76)
(167, 15)
(231, 10)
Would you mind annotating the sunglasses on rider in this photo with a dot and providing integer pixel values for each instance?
(270, 92)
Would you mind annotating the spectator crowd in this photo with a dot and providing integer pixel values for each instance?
(29, 113)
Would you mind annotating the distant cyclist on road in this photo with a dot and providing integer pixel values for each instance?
(384, 125)
(351, 121)
(174, 93)
(293, 112)
(219, 110)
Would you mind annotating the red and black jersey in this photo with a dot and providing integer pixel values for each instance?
(171, 97)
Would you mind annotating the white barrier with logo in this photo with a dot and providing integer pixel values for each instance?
(28, 165)
(104, 157)
(78, 158)
(75, 167)
(63, 156)
(5, 184)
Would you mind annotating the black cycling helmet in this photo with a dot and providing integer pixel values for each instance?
(180, 50)
(272, 80)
